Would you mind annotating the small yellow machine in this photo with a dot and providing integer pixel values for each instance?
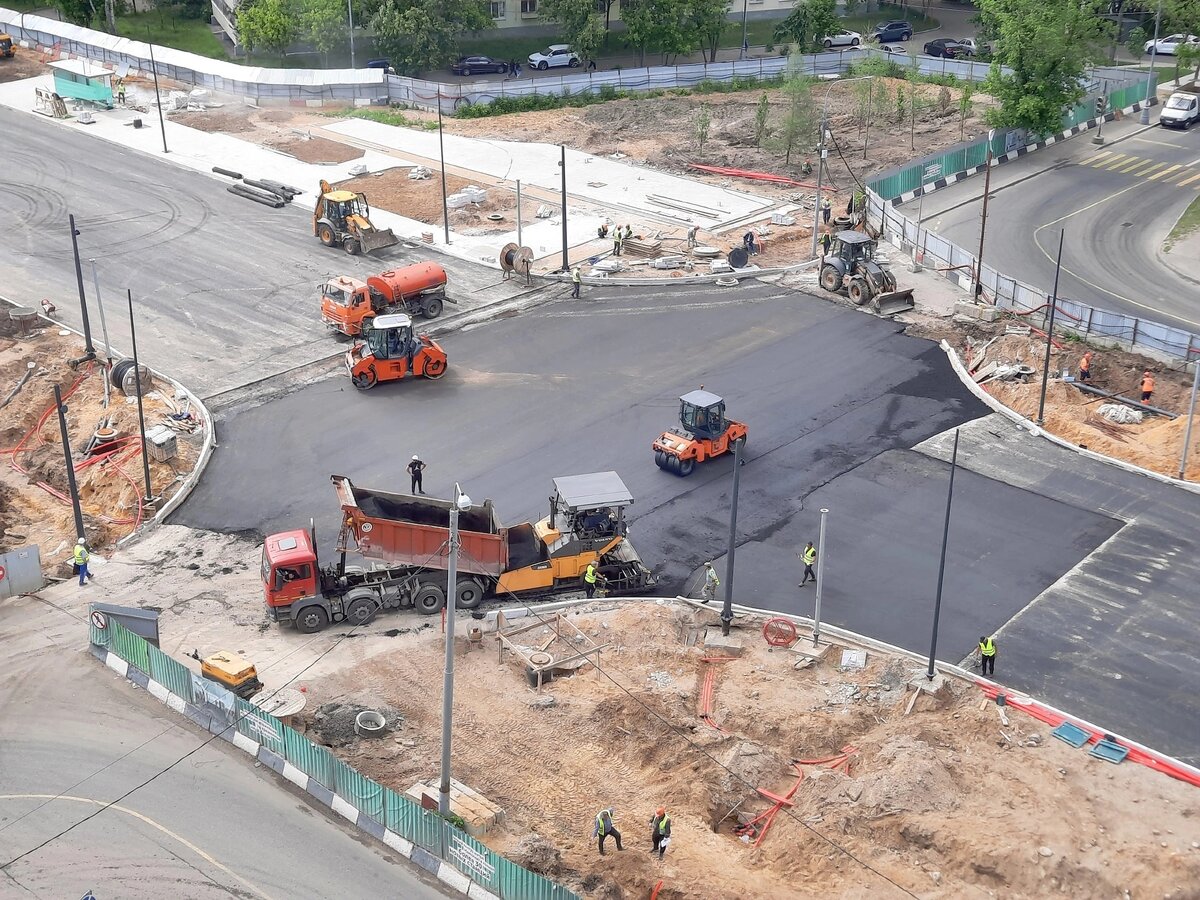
(343, 219)
(231, 670)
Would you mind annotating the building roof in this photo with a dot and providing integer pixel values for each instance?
(84, 67)
(701, 398)
(593, 491)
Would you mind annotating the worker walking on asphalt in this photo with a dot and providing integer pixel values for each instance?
(591, 575)
(809, 555)
(576, 281)
(826, 210)
(618, 239)
(1147, 386)
(604, 827)
(1085, 367)
(81, 561)
(660, 832)
(987, 655)
(415, 468)
(711, 583)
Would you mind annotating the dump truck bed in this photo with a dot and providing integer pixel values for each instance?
(402, 529)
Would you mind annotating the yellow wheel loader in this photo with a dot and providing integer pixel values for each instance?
(343, 219)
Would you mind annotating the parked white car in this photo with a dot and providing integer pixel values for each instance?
(554, 56)
(1181, 110)
(1170, 44)
(842, 38)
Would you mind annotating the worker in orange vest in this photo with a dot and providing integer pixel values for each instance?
(1085, 367)
(1147, 386)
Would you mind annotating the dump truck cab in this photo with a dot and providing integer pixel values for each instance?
(289, 568)
(391, 351)
(704, 432)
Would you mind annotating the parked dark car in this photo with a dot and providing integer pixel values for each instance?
(475, 65)
(888, 32)
(948, 48)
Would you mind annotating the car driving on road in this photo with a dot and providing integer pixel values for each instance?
(897, 30)
(554, 56)
(842, 38)
(474, 65)
(949, 48)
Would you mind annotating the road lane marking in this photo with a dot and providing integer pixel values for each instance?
(1141, 173)
(1160, 143)
(1100, 156)
(137, 815)
(1190, 180)
(1092, 284)
(1158, 175)
(1136, 164)
(1116, 161)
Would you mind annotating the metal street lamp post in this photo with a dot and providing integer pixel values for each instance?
(1041, 417)
(820, 578)
(461, 502)
(937, 603)
(350, 10)
(727, 609)
(1145, 119)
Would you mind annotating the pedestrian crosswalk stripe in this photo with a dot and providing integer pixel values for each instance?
(1141, 173)
(1100, 156)
(1165, 172)
(1136, 164)
(1195, 177)
(1115, 161)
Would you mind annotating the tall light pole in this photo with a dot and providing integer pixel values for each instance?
(820, 578)
(461, 502)
(1187, 434)
(821, 151)
(745, 37)
(157, 96)
(88, 349)
(1041, 418)
(442, 155)
(66, 442)
(727, 609)
(350, 10)
(566, 263)
(1150, 91)
(977, 292)
(149, 497)
(937, 603)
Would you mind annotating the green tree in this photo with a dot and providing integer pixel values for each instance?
(703, 121)
(267, 25)
(808, 24)
(1137, 42)
(1189, 56)
(582, 27)
(708, 21)
(665, 25)
(798, 130)
(77, 12)
(762, 116)
(965, 107)
(1047, 45)
(418, 35)
(324, 24)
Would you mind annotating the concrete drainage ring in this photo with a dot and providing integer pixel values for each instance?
(369, 723)
(727, 282)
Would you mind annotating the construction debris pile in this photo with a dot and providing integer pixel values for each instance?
(102, 426)
(772, 774)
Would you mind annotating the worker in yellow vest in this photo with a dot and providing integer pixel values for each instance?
(711, 583)
(81, 558)
(660, 832)
(809, 555)
(987, 655)
(591, 575)
(605, 827)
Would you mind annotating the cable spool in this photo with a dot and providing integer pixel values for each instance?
(516, 259)
(507, 255)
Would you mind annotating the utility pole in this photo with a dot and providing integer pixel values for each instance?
(89, 351)
(870, 101)
(1187, 434)
(566, 263)
(157, 96)
(1150, 84)
(100, 306)
(519, 244)
(821, 151)
(442, 155)
(745, 37)
(149, 498)
(350, 10)
(727, 609)
(461, 502)
(66, 442)
(977, 293)
(820, 578)
(1041, 416)
(937, 603)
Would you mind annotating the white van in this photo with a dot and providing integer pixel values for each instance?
(1180, 110)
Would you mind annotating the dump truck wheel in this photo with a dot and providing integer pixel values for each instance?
(366, 380)
(325, 233)
(432, 308)
(352, 247)
(468, 594)
(830, 279)
(434, 368)
(685, 467)
(361, 610)
(311, 619)
(429, 599)
(859, 292)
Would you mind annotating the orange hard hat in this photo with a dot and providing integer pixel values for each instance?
(661, 811)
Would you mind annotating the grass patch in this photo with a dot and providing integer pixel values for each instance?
(166, 28)
(386, 117)
(1188, 224)
(1165, 73)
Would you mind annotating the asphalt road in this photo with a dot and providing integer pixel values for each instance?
(225, 291)
(833, 399)
(74, 736)
(1115, 203)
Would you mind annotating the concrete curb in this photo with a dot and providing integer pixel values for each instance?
(1035, 430)
(593, 281)
(340, 806)
(1019, 152)
(206, 447)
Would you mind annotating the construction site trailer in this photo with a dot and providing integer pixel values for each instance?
(80, 79)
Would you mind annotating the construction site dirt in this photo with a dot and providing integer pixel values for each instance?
(34, 493)
(1155, 442)
(939, 796)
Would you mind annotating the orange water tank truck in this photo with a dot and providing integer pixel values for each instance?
(419, 289)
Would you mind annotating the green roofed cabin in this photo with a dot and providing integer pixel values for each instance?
(79, 79)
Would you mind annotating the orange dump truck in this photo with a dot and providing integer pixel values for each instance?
(419, 289)
(403, 540)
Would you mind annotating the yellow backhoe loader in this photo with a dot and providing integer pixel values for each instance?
(343, 219)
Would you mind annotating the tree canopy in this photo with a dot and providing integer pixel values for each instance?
(423, 34)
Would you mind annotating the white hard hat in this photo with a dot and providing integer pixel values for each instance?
(81, 542)
(415, 456)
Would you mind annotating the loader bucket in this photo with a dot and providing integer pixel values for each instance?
(893, 302)
(378, 238)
